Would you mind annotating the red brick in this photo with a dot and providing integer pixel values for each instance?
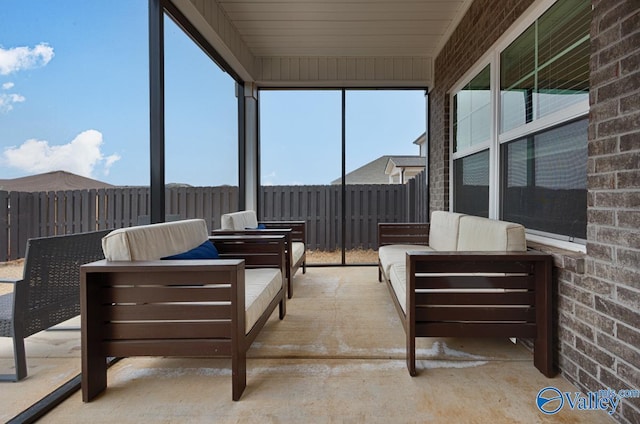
(620, 49)
(631, 24)
(629, 258)
(627, 180)
(628, 219)
(601, 182)
(619, 87)
(611, 13)
(630, 141)
(618, 162)
(590, 350)
(629, 374)
(630, 103)
(630, 298)
(619, 349)
(601, 217)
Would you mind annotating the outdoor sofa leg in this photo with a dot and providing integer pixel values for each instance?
(411, 355)
(238, 374)
(93, 359)
(282, 309)
(94, 376)
(543, 345)
(289, 283)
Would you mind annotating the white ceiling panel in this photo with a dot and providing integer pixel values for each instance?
(328, 42)
(343, 27)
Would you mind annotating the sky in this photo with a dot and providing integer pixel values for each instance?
(74, 96)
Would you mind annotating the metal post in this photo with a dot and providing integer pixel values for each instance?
(156, 109)
(344, 178)
(242, 149)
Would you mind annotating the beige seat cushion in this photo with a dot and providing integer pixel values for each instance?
(396, 254)
(483, 234)
(297, 250)
(443, 230)
(155, 241)
(261, 286)
(239, 220)
(398, 277)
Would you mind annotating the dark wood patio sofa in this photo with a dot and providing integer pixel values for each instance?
(246, 222)
(49, 291)
(136, 304)
(466, 276)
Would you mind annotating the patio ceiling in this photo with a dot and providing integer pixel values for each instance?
(327, 42)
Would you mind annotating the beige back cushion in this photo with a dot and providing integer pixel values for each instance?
(483, 234)
(239, 220)
(155, 241)
(443, 230)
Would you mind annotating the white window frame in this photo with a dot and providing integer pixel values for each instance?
(492, 58)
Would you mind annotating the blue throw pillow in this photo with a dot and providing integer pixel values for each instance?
(205, 251)
(259, 227)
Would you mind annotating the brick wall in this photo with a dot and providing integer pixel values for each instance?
(608, 302)
(597, 312)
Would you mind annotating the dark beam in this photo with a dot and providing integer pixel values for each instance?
(242, 149)
(343, 218)
(156, 109)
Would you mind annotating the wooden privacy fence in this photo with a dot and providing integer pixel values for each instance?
(27, 215)
(41, 214)
(321, 207)
(418, 198)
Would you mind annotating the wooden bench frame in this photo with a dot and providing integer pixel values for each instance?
(141, 293)
(294, 231)
(523, 309)
(48, 294)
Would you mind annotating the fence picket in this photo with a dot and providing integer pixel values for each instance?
(4, 225)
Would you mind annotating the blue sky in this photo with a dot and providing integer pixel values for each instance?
(74, 96)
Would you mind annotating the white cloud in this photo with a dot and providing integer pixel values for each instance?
(7, 101)
(7, 85)
(20, 58)
(82, 156)
(268, 179)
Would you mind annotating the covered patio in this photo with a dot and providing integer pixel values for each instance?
(338, 356)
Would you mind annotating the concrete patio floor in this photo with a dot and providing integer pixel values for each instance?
(337, 357)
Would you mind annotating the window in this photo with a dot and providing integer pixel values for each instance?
(471, 131)
(472, 111)
(545, 180)
(201, 107)
(532, 168)
(471, 176)
(546, 69)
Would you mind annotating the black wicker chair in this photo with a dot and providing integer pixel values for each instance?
(49, 292)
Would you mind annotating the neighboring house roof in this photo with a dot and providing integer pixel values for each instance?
(374, 172)
(422, 138)
(52, 181)
(370, 173)
(405, 162)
